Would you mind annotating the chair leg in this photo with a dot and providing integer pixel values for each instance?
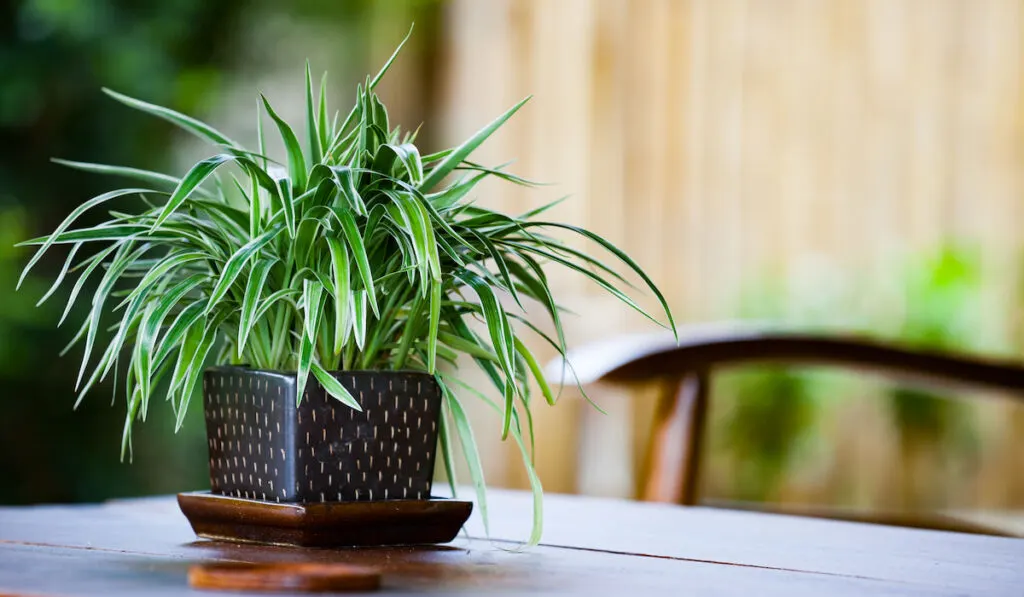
(693, 392)
(673, 452)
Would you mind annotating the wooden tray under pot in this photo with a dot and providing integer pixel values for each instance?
(327, 524)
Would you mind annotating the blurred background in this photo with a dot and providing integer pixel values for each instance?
(851, 165)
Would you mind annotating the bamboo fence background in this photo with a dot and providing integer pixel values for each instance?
(719, 140)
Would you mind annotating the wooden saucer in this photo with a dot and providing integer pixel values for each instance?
(307, 578)
(326, 524)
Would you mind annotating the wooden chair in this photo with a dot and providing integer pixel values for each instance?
(673, 458)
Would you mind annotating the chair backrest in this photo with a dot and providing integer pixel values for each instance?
(672, 469)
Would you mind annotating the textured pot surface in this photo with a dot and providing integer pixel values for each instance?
(263, 446)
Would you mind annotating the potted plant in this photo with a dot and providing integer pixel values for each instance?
(325, 291)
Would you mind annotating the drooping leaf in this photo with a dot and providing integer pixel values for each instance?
(57, 235)
(155, 179)
(200, 129)
(464, 432)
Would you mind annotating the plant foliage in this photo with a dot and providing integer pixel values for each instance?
(352, 254)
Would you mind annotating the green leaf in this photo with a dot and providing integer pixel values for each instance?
(189, 183)
(435, 320)
(149, 328)
(536, 281)
(312, 299)
(622, 257)
(312, 132)
(253, 290)
(453, 194)
(57, 236)
(178, 328)
(355, 244)
(467, 346)
(94, 262)
(391, 60)
(194, 369)
(323, 126)
(536, 370)
(536, 489)
(342, 291)
(406, 154)
(359, 316)
(334, 388)
(275, 297)
(447, 453)
(296, 161)
(535, 484)
(380, 75)
(410, 219)
(261, 139)
(156, 179)
(235, 264)
(465, 434)
(285, 190)
(255, 207)
(345, 179)
(118, 264)
(160, 271)
(200, 129)
(63, 273)
(461, 152)
(497, 322)
(604, 284)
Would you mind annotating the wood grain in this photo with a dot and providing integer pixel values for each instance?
(591, 546)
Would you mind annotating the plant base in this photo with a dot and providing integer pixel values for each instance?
(328, 524)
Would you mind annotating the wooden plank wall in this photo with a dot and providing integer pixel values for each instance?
(716, 138)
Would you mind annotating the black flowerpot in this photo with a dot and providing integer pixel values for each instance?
(263, 446)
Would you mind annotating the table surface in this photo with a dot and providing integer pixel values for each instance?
(591, 546)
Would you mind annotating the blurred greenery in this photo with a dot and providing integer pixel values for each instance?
(767, 413)
(55, 55)
(943, 291)
(944, 299)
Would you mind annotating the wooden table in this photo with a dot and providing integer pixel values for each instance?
(591, 546)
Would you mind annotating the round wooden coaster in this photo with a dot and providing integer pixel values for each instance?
(309, 578)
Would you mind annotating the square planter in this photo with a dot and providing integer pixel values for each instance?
(265, 447)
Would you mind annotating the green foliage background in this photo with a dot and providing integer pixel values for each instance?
(55, 55)
(768, 420)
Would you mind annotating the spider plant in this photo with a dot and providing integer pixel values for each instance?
(355, 253)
